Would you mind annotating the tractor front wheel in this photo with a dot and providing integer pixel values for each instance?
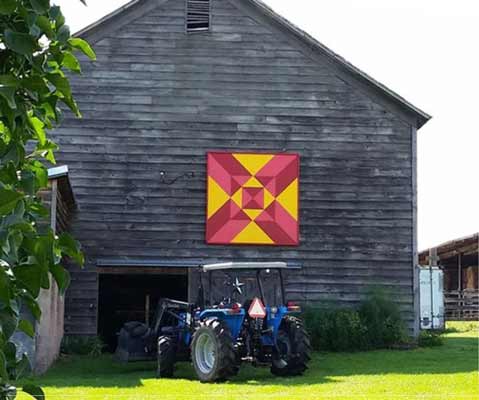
(166, 356)
(212, 351)
(293, 348)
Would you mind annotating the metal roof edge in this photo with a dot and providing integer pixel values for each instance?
(163, 263)
(57, 172)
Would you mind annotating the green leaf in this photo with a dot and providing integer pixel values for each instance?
(30, 277)
(35, 83)
(35, 31)
(38, 126)
(8, 200)
(5, 291)
(9, 80)
(35, 391)
(7, 7)
(23, 367)
(10, 352)
(26, 327)
(83, 46)
(3, 367)
(40, 6)
(45, 280)
(32, 305)
(45, 25)
(71, 62)
(8, 173)
(72, 105)
(71, 247)
(46, 150)
(39, 210)
(41, 174)
(8, 323)
(62, 277)
(21, 43)
(16, 217)
(8, 93)
(63, 34)
(61, 83)
(54, 12)
(27, 182)
(14, 154)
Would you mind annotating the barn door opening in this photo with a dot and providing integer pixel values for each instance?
(127, 297)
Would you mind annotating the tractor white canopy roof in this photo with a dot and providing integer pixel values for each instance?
(245, 265)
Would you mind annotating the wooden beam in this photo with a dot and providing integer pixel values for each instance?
(147, 310)
(466, 250)
(53, 206)
(459, 272)
(141, 271)
(415, 257)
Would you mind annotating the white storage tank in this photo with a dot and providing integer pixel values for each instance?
(431, 297)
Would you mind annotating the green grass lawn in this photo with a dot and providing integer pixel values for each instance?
(446, 372)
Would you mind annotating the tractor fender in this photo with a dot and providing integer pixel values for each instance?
(234, 321)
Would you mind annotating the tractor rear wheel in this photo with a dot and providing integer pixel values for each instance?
(293, 348)
(166, 356)
(212, 351)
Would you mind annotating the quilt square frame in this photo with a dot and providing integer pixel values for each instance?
(252, 198)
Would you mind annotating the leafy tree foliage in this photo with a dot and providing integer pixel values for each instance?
(35, 51)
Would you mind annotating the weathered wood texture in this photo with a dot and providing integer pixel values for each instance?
(157, 100)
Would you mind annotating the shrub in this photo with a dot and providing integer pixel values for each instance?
(430, 339)
(375, 324)
(335, 329)
(82, 345)
(382, 320)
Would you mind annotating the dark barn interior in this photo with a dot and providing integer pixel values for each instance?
(132, 297)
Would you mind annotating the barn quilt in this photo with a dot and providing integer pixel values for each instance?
(252, 199)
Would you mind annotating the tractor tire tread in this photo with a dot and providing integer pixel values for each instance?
(166, 356)
(299, 337)
(227, 362)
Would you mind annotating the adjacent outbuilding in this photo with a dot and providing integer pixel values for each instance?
(459, 261)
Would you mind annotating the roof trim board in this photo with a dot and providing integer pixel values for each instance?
(164, 263)
(56, 172)
(244, 265)
(351, 74)
(455, 243)
(310, 46)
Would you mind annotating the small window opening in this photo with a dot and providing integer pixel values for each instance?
(197, 15)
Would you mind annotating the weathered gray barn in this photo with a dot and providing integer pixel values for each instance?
(168, 87)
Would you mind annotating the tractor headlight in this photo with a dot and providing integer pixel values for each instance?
(274, 310)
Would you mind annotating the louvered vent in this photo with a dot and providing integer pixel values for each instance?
(197, 15)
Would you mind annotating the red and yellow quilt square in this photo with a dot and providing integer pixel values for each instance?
(253, 199)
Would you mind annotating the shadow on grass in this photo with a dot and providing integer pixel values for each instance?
(456, 356)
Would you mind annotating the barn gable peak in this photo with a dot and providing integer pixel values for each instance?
(198, 19)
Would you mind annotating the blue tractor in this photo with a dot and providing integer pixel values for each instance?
(218, 334)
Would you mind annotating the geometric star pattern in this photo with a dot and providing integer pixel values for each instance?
(252, 198)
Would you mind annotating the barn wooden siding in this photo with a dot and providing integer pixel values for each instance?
(158, 99)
